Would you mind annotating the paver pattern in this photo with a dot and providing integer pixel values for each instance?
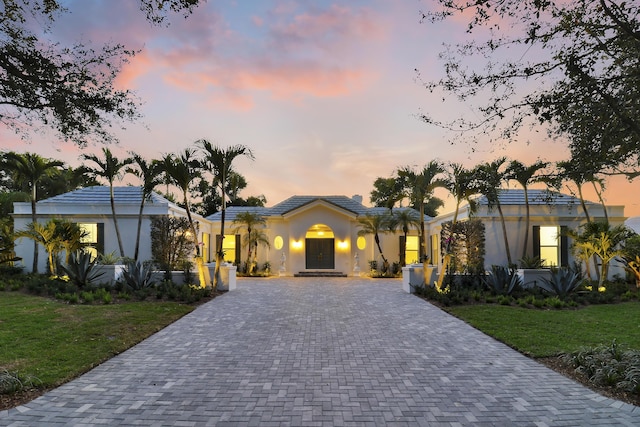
(321, 352)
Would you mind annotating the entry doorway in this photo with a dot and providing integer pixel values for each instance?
(320, 254)
(319, 248)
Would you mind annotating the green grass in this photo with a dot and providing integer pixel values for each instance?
(56, 342)
(542, 333)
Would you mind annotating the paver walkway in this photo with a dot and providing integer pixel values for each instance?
(326, 352)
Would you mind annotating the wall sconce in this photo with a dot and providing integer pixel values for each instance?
(278, 243)
(296, 244)
(343, 244)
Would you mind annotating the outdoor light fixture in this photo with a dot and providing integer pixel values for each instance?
(343, 244)
(296, 244)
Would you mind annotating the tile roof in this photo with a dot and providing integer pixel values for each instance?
(97, 195)
(536, 197)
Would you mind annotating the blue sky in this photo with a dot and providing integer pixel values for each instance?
(323, 92)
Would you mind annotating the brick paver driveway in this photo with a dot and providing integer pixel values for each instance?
(320, 351)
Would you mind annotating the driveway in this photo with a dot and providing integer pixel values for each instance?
(321, 352)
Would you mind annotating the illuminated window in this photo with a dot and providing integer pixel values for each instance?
(94, 239)
(435, 249)
(412, 250)
(550, 245)
(231, 247)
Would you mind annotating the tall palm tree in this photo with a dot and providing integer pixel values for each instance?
(568, 170)
(404, 219)
(463, 185)
(419, 187)
(182, 170)
(375, 224)
(219, 161)
(29, 169)
(151, 175)
(525, 176)
(490, 180)
(109, 167)
(248, 221)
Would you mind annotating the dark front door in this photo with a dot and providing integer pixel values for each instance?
(320, 254)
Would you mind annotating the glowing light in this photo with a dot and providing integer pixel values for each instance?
(361, 243)
(278, 243)
(343, 244)
(296, 244)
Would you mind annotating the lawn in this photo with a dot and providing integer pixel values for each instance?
(543, 333)
(56, 342)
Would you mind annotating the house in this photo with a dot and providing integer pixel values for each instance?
(320, 233)
(91, 208)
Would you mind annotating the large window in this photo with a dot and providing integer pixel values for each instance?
(435, 249)
(411, 250)
(94, 238)
(551, 245)
(231, 247)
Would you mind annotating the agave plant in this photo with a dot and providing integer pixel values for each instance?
(80, 269)
(502, 280)
(563, 281)
(137, 275)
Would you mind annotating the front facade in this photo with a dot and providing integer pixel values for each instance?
(320, 233)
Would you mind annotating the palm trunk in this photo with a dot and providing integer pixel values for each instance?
(216, 276)
(604, 207)
(583, 204)
(115, 220)
(199, 262)
(504, 234)
(34, 219)
(135, 253)
(526, 228)
(447, 256)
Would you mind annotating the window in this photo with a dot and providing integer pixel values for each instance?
(231, 247)
(94, 239)
(435, 249)
(550, 244)
(411, 250)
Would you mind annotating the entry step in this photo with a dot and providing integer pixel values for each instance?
(320, 274)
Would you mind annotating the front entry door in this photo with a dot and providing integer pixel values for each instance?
(320, 254)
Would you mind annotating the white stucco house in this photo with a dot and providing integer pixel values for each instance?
(320, 233)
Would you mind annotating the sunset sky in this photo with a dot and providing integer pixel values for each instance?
(323, 92)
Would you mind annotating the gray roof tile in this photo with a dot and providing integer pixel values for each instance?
(97, 195)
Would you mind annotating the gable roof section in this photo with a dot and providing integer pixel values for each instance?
(294, 203)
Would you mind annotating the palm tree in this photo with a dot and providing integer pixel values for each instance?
(375, 224)
(46, 235)
(151, 175)
(571, 171)
(182, 170)
(250, 221)
(404, 219)
(109, 168)
(254, 239)
(419, 187)
(30, 169)
(462, 183)
(219, 161)
(490, 181)
(525, 175)
(70, 236)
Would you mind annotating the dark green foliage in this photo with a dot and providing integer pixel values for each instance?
(612, 365)
(466, 243)
(531, 262)
(81, 269)
(502, 280)
(170, 242)
(137, 276)
(13, 382)
(563, 281)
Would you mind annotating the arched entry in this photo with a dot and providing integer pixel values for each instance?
(320, 248)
